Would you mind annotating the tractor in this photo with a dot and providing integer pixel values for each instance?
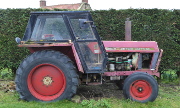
(67, 51)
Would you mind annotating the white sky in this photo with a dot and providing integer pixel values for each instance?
(97, 4)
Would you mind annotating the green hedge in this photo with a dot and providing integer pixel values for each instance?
(162, 26)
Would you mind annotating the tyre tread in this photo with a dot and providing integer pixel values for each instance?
(133, 76)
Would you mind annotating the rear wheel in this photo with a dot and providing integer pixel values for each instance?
(46, 76)
(140, 87)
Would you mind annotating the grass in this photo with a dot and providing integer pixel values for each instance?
(6, 74)
(10, 100)
(170, 77)
(168, 97)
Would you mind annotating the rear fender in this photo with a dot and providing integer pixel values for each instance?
(69, 50)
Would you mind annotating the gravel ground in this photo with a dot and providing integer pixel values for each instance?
(99, 91)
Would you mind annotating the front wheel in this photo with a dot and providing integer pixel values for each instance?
(46, 76)
(140, 87)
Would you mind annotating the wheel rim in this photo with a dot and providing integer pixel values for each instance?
(46, 82)
(140, 90)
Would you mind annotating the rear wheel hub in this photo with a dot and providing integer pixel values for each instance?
(47, 80)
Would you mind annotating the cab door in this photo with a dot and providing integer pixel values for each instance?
(88, 44)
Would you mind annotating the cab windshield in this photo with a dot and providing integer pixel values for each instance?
(50, 28)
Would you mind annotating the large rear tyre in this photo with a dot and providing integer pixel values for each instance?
(46, 76)
(140, 87)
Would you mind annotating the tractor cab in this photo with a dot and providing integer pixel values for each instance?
(73, 28)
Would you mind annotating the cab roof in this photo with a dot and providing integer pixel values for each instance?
(59, 12)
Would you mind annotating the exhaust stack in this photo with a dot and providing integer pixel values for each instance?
(127, 30)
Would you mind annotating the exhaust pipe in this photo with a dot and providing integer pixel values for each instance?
(127, 30)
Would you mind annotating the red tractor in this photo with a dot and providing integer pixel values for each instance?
(67, 51)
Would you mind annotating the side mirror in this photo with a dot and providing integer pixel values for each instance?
(18, 40)
(83, 23)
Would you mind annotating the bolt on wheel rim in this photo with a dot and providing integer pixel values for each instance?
(140, 90)
(46, 82)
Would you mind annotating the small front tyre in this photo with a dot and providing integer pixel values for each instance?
(140, 87)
